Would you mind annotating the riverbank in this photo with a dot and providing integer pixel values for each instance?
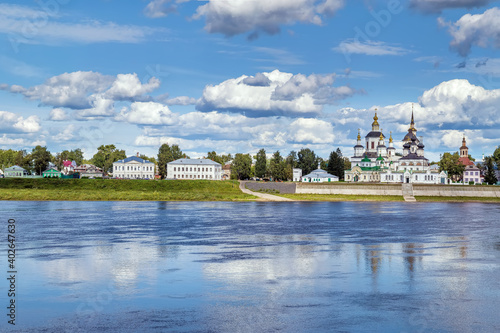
(340, 197)
(120, 190)
(387, 198)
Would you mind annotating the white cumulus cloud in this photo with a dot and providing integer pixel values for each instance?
(481, 30)
(91, 94)
(242, 16)
(305, 130)
(148, 113)
(284, 94)
(11, 122)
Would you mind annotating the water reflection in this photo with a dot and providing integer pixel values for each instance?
(257, 267)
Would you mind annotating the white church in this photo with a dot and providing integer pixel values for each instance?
(375, 162)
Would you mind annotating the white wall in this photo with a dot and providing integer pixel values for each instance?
(194, 171)
(134, 170)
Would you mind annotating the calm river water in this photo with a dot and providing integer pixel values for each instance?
(253, 267)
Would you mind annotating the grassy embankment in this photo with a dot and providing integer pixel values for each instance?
(120, 190)
(341, 197)
(458, 199)
(344, 197)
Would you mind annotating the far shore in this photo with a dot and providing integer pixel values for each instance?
(176, 190)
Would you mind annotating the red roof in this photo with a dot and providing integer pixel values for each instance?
(465, 161)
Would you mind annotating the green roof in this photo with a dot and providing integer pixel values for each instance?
(366, 159)
(380, 158)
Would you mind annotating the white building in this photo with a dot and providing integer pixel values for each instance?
(319, 176)
(185, 168)
(419, 177)
(134, 167)
(297, 174)
(376, 163)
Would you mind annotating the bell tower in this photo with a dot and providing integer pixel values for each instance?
(464, 150)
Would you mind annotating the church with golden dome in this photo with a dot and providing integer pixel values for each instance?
(373, 161)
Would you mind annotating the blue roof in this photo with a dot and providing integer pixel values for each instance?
(133, 158)
(189, 161)
(319, 173)
(14, 167)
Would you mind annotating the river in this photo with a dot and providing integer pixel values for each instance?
(253, 267)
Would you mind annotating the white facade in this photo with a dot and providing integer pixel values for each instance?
(472, 174)
(414, 177)
(185, 168)
(319, 176)
(297, 174)
(134, 168)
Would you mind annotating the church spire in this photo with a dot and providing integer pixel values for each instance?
(359, 134)
(412, 123)
(375, 125)
(390, 137)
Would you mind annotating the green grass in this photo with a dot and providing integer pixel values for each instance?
(457, 199)
(120, 190)
(341, 197)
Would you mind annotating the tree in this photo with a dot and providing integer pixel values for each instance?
(167, 154)
(451, 164)
(336, 164)
(147, 158)
(221, 159)
(73, 155)
(10, 157)
(490, 176)
(277, 166)
(323, 164)
(76, 155)
(292, 159)
(347, 163)
(307, 160)
(40, 158)
(496, 156)
(241, 166)
(106, 156)
(291, 162)
(261, 164)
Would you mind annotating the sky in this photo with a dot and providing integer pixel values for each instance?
(236, 76)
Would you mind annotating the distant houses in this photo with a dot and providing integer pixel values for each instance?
(89, 171)
(185, 168)
(226, 171)
(68, 167)
(52, 173)
(134, 167)
(472, 173)
(15, 172)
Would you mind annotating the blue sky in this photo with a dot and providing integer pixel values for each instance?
(237, 76)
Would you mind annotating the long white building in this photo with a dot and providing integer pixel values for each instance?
(134, 167)
(186, 168)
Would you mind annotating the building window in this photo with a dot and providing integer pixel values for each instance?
(373, 145)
